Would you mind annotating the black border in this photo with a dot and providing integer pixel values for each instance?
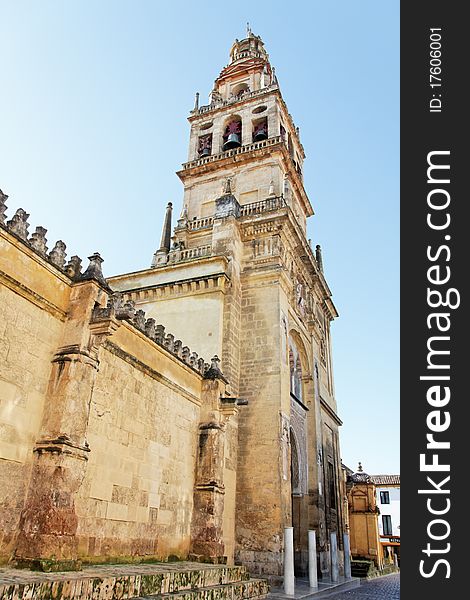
(423, 132)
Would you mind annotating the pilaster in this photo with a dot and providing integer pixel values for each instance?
(48, 525)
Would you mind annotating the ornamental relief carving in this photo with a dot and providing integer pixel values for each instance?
(298, 424)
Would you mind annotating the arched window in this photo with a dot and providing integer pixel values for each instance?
(295, 366)
(240, 89)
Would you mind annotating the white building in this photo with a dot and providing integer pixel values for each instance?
(388, 501)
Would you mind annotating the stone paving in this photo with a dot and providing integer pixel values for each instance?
(381, 588)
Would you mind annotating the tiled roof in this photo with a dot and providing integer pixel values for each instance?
(385, 479)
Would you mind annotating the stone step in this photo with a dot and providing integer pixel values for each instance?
(116, 582)
(241, 590)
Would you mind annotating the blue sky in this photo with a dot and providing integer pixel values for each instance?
(93, 109)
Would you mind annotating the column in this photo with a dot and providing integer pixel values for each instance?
(347, 556)
(334, 557)
(312, 560)
(289, 579)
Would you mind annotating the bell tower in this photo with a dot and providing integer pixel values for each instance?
(240, 279)
(245, 133)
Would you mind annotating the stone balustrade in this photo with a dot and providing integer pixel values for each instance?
(233, 100)
(196, 252)
(178, 255)
(203, 223)
(234, 152)
(267, 205)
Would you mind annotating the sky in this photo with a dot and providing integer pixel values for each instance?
(93, 109)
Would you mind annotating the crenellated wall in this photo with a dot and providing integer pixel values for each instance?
(100, 412)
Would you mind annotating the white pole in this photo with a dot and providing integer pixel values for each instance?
(312, 560)
(289, 579)
(347, 556)
(334, 557)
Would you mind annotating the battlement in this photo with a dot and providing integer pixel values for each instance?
(116, 306)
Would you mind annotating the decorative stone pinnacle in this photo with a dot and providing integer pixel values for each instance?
(73, 267)
(214, 372)
(228, 186)
(18, 224)
(359, 468)
(161, 255)
(94, 269)
(38, 240)
(196, 101)
(319, 257)
(3, 206)
(57, 254)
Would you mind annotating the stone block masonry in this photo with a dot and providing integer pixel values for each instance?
(90, 470)
(190, 581)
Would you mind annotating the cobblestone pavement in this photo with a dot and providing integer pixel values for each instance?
(381, 588)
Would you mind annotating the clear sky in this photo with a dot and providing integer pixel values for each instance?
(93, 106)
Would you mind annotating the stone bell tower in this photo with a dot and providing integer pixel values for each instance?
(239, 279)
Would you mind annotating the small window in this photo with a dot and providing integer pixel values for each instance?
(384, 498)
(387, 524)
(331, 481)
(259, 109)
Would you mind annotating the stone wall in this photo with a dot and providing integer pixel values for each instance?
(263, 476)
(30, 329)
(137, 495)
(100, 413)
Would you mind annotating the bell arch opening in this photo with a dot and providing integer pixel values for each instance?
(232, 136)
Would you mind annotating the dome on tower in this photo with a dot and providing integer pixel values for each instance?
(248, 70)
(250, 47)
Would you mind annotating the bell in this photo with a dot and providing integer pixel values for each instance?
(261, 134)
(205, 152)
(233, 141)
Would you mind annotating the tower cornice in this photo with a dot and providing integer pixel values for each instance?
(221, 105)
(247, 153)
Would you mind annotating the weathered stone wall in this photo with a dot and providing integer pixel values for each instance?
(137, 496)
(263, 475)
(197, 298)
(33, 298)
(99, 422)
